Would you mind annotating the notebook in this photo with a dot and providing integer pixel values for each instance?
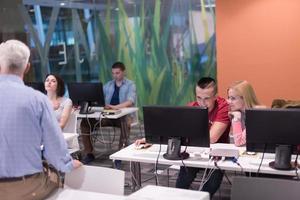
(111, 112)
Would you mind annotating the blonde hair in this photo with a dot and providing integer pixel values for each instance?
(245, 90)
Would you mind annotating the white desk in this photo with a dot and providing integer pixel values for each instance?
(248, 163)
(70, 194)
(151, 192)
(97, 115)
(121, 116)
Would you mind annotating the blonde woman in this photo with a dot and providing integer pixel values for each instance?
(241, 96)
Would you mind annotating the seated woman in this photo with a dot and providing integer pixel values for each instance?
(241, 96)
(55, 88)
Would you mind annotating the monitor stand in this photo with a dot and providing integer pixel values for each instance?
(85, 108)
(283, 157)
(173, 150)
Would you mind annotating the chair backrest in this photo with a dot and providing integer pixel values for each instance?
(71, 125)
(135, 116)
(249, 188)
(96, 179)
(135, 119)
(71, 128)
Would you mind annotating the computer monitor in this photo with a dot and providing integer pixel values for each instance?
(274, 130)
(37, 86)
(86, 95)
(176, 126)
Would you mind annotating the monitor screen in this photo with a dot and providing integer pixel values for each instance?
(268, 127)
(86, 92)
(188, 124)
(37, 86)
(273, 131)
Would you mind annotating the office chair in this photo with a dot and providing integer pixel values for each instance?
(249, 188)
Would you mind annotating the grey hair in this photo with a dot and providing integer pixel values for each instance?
(14, 56)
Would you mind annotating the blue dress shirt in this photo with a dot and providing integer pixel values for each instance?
(127, 91)
(27, 121)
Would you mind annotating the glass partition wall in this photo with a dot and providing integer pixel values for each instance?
(166, 45)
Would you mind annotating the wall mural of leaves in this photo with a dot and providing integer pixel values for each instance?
(166, 45)
(162, 53)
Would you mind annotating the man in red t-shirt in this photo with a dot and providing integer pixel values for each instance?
(217, 110)
(219, 126)
(219, 122)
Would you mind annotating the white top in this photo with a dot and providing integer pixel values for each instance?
(64, 102)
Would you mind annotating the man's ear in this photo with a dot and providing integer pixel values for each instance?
(27, 68)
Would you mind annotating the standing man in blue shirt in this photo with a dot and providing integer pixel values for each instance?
(119, 93)
(27, 121)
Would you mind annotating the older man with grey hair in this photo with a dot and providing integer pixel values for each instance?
(27, 121)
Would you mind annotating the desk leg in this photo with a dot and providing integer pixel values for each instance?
(135, 168)
(124, 133)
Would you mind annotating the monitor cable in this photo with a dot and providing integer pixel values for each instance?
(217, 166)
(203, 180)
(156, 165)
(296, 166)
(101, 133)
(185, 168)
(235, 160)
(90, 128)
(262, 158)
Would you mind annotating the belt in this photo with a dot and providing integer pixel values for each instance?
(12, 179)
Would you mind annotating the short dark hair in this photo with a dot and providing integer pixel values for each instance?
(119, 65)
(206, 82)
(60, 91)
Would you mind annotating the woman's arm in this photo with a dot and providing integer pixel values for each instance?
(239, 135)
(67, 110)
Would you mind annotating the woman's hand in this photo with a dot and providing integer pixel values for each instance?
(235, 115)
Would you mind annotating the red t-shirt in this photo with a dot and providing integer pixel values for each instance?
(218, 114)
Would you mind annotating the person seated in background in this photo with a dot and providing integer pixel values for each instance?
(27, 121)
(241, 96)
(281, 103)
(219, 126)
(55, 89)
(119, 93)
